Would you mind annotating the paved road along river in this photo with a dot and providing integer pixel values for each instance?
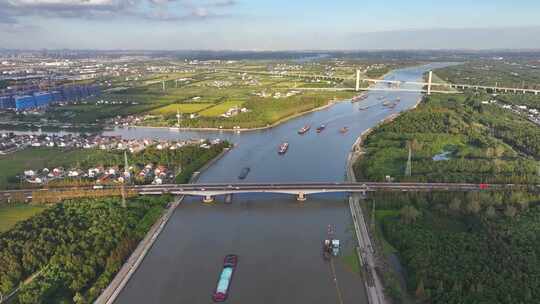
(278, 240)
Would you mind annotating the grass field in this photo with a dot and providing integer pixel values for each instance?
(221, 108)
(11, 214)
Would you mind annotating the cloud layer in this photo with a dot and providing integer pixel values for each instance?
(11, 11)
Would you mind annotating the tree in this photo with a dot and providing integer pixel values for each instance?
(490, 212)
(409, 214)
(474, 206)
(510, 211)
(455, 205)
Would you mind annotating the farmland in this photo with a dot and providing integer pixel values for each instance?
(270, 90)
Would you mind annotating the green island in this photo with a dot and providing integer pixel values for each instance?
(456, 247)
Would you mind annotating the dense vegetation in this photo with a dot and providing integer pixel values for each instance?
(465, 248)
(459, 248)
(513, 74)
(475, 142)
(76, 246)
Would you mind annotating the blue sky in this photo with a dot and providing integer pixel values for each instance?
(269, 25)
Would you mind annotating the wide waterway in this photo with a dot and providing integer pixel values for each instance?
(278, 240)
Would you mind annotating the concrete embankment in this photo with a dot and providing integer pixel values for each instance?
(365, 249)
(112, 291)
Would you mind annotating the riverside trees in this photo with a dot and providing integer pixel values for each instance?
(76, 246)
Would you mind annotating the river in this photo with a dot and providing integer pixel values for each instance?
(277, 239)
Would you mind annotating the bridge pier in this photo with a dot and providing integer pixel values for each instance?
(208, 199)
(301, 197)
(228, 198)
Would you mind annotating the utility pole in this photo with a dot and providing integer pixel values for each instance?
(430, 78)
(373, 216)
(357, 88)
(408, 169)
(178, 116)
(126, 177)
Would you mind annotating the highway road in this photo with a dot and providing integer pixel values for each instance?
(214, 189)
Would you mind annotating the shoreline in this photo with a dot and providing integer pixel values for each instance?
(135, 259)
(362, 232)
(273, 125)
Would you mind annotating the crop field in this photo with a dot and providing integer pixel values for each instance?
(221, 108)
(211, 89)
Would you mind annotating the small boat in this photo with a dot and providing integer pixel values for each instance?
(321, 128)
(386, 103)
(358, 98)
(344, 130)
(244, 173)
(304, 129)
(363, 108)
(283, 148)
(224, 282)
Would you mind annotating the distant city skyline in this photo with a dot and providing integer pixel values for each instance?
(268, 25)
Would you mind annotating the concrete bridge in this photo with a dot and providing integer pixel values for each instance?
(209, 191)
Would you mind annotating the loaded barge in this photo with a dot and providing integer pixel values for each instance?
(224, 282)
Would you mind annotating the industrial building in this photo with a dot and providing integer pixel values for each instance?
(27, 100)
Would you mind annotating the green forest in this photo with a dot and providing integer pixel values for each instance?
(76, 247)
(475, 143)
(478, 247)
(464, 248)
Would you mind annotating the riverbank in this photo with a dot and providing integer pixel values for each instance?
(273, 125)
(112, 291)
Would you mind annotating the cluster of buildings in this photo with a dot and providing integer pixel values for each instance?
(10, 142)
(532, 114)
(149, 173)
(233, 112)
(30, 99)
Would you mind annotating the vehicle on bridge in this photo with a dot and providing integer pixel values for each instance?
(224, 281)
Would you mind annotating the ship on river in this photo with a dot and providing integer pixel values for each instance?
(224, 281)
(321, 128)
(283, 148)
(304, 129)
(358, 98)
(244, 173)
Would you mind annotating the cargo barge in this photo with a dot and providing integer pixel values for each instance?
(244, 173)
(304, 129)
(283, 148)
(224, 282)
